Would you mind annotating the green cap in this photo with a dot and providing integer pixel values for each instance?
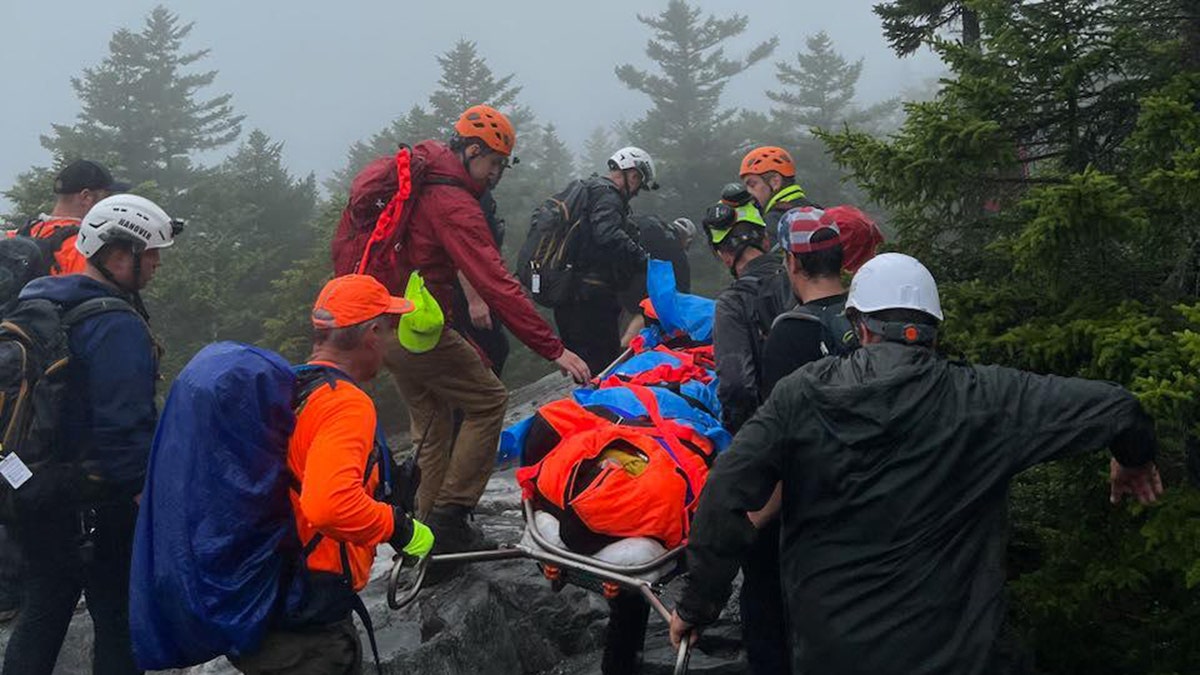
(421, 329)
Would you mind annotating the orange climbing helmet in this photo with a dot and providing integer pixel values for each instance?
(765, 159)
(488, 125)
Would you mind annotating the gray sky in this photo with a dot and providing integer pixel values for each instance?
(320, 75)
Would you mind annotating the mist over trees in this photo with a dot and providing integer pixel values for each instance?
(1051, 180)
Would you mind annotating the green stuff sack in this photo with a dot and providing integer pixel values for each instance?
(421, 329)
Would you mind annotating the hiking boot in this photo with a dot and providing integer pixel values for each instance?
(454, 533)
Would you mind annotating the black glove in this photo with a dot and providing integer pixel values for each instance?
(406, 478)
(411, 537)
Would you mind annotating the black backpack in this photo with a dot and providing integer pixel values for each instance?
(34, 355)
(50, 243)
(546, 264)
(25, 257)
(837, 333)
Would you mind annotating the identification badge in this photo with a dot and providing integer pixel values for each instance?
(14, 471)
(536, 283)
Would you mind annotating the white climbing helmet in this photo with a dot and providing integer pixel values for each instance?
(128, 218)
(894, 281)
(684, 229)
(631, 157)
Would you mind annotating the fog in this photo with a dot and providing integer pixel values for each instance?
(319, 76)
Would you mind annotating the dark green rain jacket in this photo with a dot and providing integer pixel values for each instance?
(895, 466)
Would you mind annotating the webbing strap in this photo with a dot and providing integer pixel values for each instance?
(667, 436)
(363, 615)
(360, 608)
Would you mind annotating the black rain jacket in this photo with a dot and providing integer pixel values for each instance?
(895, 466)
(613, 258)
(744, 312)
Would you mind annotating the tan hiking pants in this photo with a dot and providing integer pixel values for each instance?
(450, 377)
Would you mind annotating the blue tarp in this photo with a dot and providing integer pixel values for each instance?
(625, 403)
(676, 312)
(670, 405)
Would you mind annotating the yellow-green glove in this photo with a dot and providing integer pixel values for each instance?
(421, 542)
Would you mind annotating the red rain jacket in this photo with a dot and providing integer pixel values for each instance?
(448, 233)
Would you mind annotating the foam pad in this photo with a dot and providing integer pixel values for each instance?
(627, 552)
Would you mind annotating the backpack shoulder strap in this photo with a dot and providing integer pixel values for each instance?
(443, 180)
(572, 203)
(26, 230)
(837, 335)
(772, 296)
(61, 234)
(95, 306)
(798, 313)
(310, 377)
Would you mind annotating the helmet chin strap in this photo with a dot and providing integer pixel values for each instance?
(466, 161)
(134, 294)
(627, 192)
(741, 251)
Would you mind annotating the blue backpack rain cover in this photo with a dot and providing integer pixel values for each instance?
(215, 534)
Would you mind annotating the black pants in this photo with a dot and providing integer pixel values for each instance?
(10, 571)
(332, 649)
(764, 610)
(590, 327)
(57, 572)
(494, 342)
(626, 635)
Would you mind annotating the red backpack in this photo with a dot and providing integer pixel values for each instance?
(374, 224)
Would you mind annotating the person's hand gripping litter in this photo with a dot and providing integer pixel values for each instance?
(418, 545)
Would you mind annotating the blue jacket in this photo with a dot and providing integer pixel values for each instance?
(110, 413)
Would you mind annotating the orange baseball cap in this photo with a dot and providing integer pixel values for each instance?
(353, 299)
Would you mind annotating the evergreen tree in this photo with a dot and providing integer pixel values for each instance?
(555, 165)
(288, 327)
(820, 91)
(1052, 185)
(142, 109)
(907, 24)
(248, 220)
(142, 114)
(467, 80)
(414, 126)
(32, 194)
(688, 130)
(598, 147)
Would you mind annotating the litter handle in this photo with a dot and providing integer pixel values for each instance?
(416, 567)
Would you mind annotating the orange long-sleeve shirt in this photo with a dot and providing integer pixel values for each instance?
(328, 453)
(70, 261)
